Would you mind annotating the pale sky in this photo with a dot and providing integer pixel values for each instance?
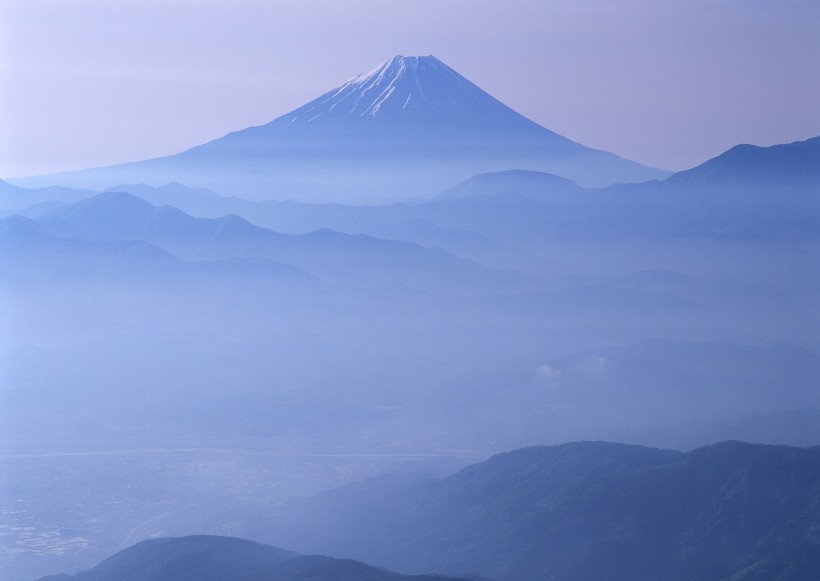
(668, 83)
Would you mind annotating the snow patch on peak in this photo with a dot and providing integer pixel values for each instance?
(403, 89)
(399, 64)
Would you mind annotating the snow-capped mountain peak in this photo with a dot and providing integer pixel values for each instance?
(403, 86)
(411, 126)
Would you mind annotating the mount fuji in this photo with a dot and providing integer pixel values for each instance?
(408, 128)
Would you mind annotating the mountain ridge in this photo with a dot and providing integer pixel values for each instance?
(335, 257)
(794, 164)
(216, 558)
(583, 510)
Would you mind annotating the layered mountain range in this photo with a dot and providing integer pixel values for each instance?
(588, 510)
(585, 510)
(410, 127)
(179, 359)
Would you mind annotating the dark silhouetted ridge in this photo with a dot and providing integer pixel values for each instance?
(211, 558)
(588, 510)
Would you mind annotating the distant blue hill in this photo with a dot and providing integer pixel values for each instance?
(791, 166)
(211, 558)
(521, 182)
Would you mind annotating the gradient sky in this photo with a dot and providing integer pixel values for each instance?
(668, 83)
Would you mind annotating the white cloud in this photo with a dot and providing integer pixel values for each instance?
(548, 372)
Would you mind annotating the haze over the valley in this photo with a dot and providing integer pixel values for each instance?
(405, 324)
